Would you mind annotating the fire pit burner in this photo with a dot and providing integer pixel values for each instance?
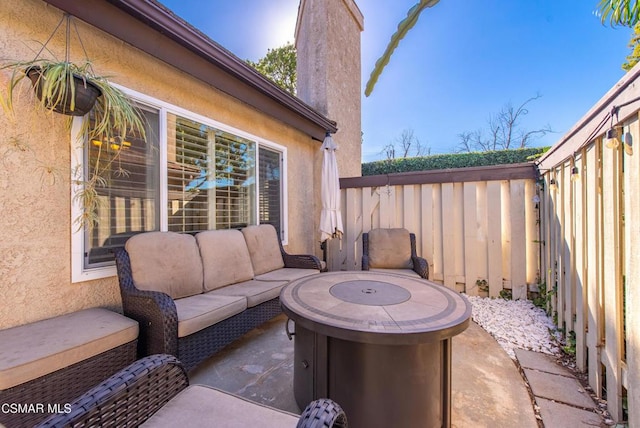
(372, 293)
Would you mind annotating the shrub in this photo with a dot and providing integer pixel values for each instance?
(454, 160)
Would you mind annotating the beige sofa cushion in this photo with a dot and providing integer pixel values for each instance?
(199, 312)
(33, 350)
(225, 258)
(286, 274)
(390, 249)
(264, 248)
(254, 291)
(202, 406)
(166, 261)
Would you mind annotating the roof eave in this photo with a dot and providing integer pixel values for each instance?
(116, 17)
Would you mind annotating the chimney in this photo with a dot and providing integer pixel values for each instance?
(329, 72)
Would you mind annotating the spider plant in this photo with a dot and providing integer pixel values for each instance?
(60, 87)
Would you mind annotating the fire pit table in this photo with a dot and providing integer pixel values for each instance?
(379, 344)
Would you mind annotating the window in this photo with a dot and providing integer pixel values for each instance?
(270, 190)
(128, 200)
(190, 174)
(211, 177)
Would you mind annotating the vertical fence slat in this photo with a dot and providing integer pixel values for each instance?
(351, 233)
(518, 240)
(426, 225)
(374, 214)
(581, 296)
(494, 238)
(506, 233)
(438, 238)
(458, 234)
(482, 224)
(568, 249)
(559, 250)
(369, 205)
(408, 201)
(470, 239)
(632, 275)
(552, 247)
(448, 236)
(545, 225)
(611, 219)
(532, 239)
(387, 206)
(592, 221)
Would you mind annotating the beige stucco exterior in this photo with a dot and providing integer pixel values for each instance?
(36, 204)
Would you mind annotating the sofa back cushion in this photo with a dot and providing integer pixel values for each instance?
(264, 248)
(166, 261)
(225, 258)
(390, 249)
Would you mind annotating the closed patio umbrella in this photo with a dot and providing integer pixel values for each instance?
(330, 217)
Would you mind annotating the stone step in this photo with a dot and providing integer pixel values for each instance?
(562, 399)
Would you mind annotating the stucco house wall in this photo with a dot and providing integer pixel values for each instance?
(35, 158)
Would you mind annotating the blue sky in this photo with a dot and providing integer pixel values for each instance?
(462, 62)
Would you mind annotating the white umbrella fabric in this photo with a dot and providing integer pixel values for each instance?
(330, 216)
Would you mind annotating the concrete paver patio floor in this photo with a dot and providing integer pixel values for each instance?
(562, 400)
(487, 388)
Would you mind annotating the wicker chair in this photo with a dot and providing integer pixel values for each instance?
(392, 250)
(151, 385)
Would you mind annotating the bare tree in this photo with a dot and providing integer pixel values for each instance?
(504, 131)
(468, 141)
(406, 145)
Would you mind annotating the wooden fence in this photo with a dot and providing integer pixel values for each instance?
(477, 227)
(590, 222)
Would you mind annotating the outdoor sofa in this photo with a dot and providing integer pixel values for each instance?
(154, 392)
(45, 364)
(194, 294)
(392, 250)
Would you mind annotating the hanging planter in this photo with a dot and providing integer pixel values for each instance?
(74, 89)
(61, 90)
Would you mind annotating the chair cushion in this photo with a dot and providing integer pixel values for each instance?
(36, 349)
(390, 249)
(203, 406)
(286, 274)
(264, 248)
(256, 292)
(166, 261)
(408, 272)
(199, 312)
(225, 258)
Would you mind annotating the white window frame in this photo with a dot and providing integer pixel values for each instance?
(78, 272)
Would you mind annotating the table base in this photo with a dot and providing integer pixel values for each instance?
(377, 385)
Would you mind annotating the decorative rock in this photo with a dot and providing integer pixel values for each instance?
(515, 324)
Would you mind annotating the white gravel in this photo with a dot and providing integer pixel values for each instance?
(515, 324)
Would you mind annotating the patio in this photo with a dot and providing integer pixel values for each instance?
(488, 389)
(525, 230)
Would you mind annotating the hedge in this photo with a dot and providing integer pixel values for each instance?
(454, 160)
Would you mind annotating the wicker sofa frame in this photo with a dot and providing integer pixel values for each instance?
(420, 265)
(131, 396)
(62, 386)
(158, 319)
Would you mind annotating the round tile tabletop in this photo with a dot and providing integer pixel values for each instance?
(375, 307)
